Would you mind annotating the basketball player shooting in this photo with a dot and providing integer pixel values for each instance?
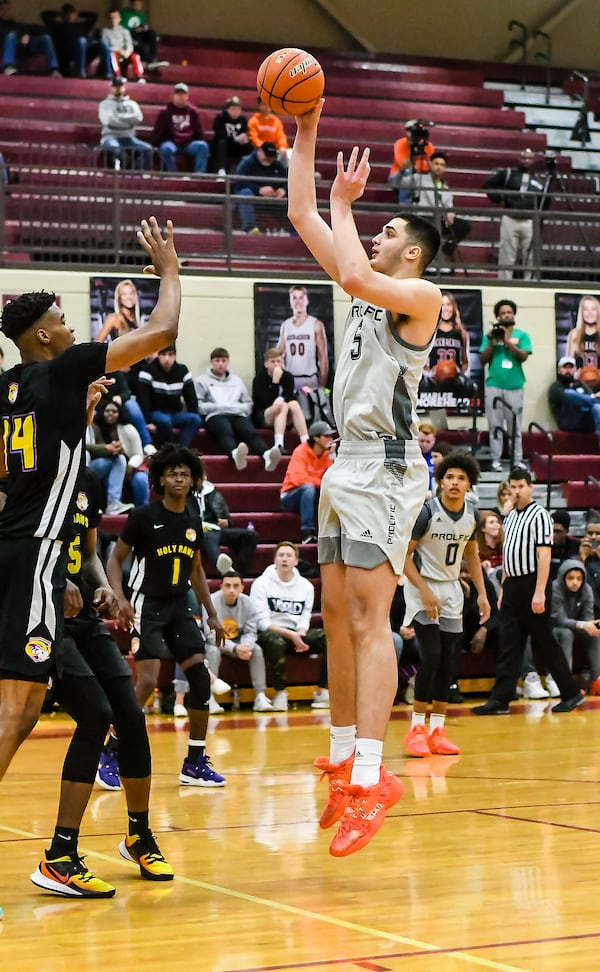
(372, 494)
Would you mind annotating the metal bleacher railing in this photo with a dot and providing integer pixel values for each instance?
(62, 206)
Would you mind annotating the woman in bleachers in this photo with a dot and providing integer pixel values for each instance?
(116, 454)
(490, 538)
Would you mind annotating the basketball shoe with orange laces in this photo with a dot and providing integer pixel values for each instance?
(416, 742)
(337, 775)
(365, 812)
(440, 745)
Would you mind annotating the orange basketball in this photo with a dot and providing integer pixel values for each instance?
(445, 370)
(290, 81)
(590, 376)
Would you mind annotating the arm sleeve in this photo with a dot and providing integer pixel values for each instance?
(144, 393)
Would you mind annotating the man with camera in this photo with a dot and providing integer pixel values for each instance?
(504, 348)
(515, 189)
(411, 155)
(574, 405)
(434, 193)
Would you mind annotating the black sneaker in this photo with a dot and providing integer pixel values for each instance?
(455, 695)
(567, 705)
(491, 707)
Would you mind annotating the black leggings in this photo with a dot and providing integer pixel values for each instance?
(93, 707)
(438, 650)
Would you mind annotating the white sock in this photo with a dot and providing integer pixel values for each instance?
(279, 441)
(342, 740)
(367, 762)
(436, 721)
(418, 719)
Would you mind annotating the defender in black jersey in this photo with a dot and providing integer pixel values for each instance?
(165, 539)
(95, 689)
(43, 417)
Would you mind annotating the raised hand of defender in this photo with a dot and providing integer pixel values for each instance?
(349, 183)
(160, 249)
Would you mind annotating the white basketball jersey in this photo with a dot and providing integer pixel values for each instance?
(443, 542)
(300, 351)
(377, 377)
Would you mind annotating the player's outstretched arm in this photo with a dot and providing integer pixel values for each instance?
(302, 196)
(163, 324)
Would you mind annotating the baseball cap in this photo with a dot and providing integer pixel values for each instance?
(181, 86)
(320, 428)
(566, 360)
(270, 149)
(234, 100)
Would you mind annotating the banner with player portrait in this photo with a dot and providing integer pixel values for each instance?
(298, 319)
(120, 304)
(453, 376)
(577, 319)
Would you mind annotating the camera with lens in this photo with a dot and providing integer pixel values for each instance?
(498, 333)
(593, 542)
(550, 160)
(418, 135)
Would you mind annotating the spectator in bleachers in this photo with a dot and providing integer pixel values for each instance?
(574, 405)
(434, 192)
(583, 341)
(439, 451)
(119, 116)
(504, 348)
(116, 454)
(476, 636)
(411, 161)
(225, 404)
(573, 616)
(275, 400)
(119, 50)
(127, 313)
(303, 343)
(145, 40)
(237, 613)
(490, 537)
(120, 392)
(23, 41)
(504, 499)
(178, 130)
(589, 554)
(262, 163)
(219, 530)
(284, 602)
(265, 126)
(167, 397)
(70, 30)
(426, 445)
(302, 482)
(564, 547)
(231, 141)
(516, 232)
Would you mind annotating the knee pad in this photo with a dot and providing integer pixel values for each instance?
(199, 682)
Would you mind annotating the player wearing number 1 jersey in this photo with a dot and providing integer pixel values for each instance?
(43, 405)
(372, 494)
(165, 539)
(443, 534)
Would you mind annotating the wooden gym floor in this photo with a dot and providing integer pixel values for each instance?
(490, 861)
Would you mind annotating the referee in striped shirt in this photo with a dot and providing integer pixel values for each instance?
(525, 604)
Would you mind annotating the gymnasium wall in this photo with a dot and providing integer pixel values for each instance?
(219, 311)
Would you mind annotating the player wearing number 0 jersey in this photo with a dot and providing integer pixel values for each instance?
(368, 505)
(303, 343)
(443, 534)
(43, 404)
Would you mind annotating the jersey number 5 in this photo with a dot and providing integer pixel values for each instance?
(19, 437)
(356, 343)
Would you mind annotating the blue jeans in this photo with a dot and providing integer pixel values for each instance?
(140, 487)
(302, 500)
(113, 146)
(247, 217)
(198, 150)
(136, 417)
(188, 422)
(578, 411)
(112, 472)
(38, 44)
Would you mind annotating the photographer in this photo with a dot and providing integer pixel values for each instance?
(411, 155)
(515, 189)
(504, 348)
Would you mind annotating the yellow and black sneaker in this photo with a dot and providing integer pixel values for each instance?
(70, 877)
(145, 852)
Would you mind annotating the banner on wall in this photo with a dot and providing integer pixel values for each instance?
(577, 320)
(298, 319)
(453, 376)
(120, 304)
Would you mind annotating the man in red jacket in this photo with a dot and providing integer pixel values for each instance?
(178, 129)
(308, 464)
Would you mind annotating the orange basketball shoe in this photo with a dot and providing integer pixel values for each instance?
(415, 741)
(364, 813)
(337, 774)
(440, 745)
